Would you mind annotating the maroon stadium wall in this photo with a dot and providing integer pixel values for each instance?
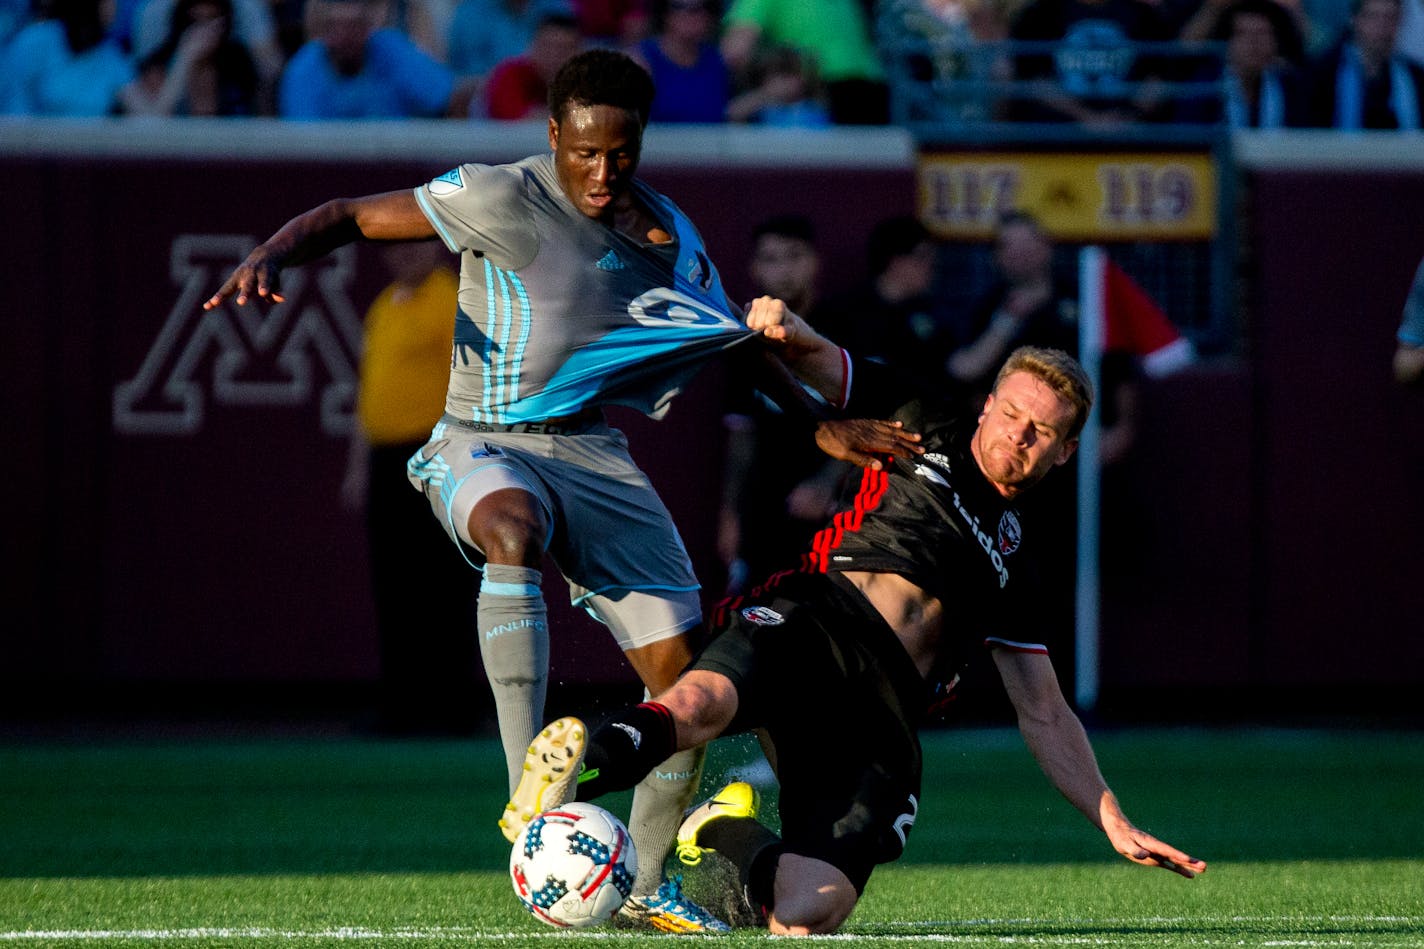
(175, 510)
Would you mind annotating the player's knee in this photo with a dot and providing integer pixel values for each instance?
(509, 530)
(812, 897)
(702, 703)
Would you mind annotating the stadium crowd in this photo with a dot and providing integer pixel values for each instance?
(1102, 63)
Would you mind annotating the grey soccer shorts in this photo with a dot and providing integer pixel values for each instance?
(610, 534)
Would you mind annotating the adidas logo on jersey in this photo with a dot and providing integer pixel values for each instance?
(610, 261)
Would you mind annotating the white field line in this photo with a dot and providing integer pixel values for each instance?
(904, 931)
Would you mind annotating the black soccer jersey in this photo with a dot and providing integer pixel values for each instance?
(938, 522)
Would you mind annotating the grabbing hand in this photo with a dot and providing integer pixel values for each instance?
(865, 442)
(777, 323)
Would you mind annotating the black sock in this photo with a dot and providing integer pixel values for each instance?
(625, 748)
(754, 851)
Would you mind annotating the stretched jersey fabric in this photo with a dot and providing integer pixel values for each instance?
(558, 312)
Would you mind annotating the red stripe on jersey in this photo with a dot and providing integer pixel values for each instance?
(872, 489)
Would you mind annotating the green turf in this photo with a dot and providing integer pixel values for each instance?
(1315, 839)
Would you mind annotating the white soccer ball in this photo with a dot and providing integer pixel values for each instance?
(573, 866)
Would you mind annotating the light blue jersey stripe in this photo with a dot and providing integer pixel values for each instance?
(506, 324)
(481, 411)
(524, 326)
(434, 217)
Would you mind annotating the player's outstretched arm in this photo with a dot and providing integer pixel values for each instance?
(393, 216)
(1058, 742)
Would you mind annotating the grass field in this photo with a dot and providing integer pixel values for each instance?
(1315, 838)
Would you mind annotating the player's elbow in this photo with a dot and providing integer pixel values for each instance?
(1043, 715)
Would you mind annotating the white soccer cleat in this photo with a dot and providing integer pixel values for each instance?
(551, 770)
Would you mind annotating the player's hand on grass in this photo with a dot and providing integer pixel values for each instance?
(257, 275)
(1141, 847)
(866, 442)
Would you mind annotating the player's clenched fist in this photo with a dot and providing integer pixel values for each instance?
(776, 321)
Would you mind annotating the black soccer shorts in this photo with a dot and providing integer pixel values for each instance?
(817, 667)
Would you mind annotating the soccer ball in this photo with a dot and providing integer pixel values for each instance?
(573, 866)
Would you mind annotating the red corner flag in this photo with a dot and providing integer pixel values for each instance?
(1134, 323)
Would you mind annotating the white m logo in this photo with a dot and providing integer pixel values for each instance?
(904, 822)
(264, 355)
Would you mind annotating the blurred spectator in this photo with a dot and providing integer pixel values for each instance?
(1027, 305)
(427, 24)
(1101, 78)
(64, 65)
(785, 91)
(1410, 44)
(621, 23)
(891, 317)
(483, 33)
(832, 32)
(519, 87)
(1205, 23)
(967, 37)
(353, 68)
(1409, 356)
(14, 15)
(427, 653)
(685, 62)
(1032, 304)
(1361, 83)
(777, 486)
(1322, 21)
(1261, 87)
(253, 25)
(200, 70)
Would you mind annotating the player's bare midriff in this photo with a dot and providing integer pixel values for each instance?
(913, 614)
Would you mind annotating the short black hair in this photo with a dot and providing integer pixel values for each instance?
(602, 77)
(795, 226)
(891, 238)
(1289, 42)
(658, 11)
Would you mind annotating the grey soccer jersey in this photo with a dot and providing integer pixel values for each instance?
(558, 312)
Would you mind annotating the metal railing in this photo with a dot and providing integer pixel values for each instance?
(942, 77)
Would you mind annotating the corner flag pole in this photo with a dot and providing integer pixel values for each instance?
(1091, 323)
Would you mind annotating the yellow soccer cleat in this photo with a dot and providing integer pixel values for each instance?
(738, 799)
(551, 770)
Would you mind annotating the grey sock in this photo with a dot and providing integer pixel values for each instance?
(514, 644)
(659, 802)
